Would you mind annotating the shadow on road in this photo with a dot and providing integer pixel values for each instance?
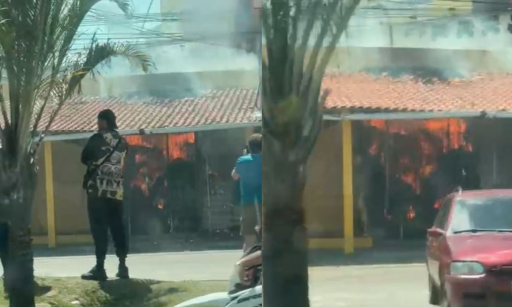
(383, 253)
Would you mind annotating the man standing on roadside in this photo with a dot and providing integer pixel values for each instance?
(104, 157)
(248, 170)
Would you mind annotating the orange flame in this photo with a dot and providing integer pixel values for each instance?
(411, 214)
(136, 140)
(177, 145)
(375, 148)
(166, 148)
(437, 205)
(450, 133)
(412, 180)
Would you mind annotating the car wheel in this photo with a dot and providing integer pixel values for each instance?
(434, 292)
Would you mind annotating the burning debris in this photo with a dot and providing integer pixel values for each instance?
(154, 164)
(421, 162)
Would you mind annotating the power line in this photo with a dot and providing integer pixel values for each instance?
(409, 15)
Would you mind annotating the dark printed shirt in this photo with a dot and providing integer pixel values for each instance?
(108, 179)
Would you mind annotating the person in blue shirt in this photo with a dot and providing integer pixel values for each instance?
(248, 171)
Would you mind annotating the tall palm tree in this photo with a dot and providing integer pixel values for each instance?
(300, 36)
(42, 71)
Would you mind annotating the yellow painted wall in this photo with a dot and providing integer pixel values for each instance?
(70, 199)
(323, 193)
(39, 224)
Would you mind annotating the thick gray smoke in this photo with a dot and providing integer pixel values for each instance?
(198, 42)
(397, 38)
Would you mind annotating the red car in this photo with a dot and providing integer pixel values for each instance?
(469, 250)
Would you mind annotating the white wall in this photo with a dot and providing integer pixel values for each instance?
(442, 33)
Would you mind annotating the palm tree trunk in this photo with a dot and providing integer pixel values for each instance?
(285, 255)
(19, 276)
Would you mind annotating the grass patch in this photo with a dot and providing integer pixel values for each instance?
(73, 292)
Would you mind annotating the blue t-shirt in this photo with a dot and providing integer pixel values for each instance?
(250, 169)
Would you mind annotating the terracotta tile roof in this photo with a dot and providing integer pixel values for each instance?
(233, 106)
(488, 93)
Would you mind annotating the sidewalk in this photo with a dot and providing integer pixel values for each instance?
(384, 252)
(151, 245)
(194, 266)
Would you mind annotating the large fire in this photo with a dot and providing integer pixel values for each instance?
(173, 146)
(450, 131)
(178, 145)
(154, 152)
(416, 146)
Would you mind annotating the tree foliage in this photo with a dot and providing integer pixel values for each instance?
(42, 70)
(300, 37)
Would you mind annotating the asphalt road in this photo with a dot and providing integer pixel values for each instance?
(402, 285)
(369, 286)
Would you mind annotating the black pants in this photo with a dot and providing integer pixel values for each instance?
(107, 214)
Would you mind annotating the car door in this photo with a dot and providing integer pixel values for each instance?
(435, 239)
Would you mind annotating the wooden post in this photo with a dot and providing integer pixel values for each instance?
(50, 201)
(348, 191)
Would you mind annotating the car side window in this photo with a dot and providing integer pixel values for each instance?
(442, 216)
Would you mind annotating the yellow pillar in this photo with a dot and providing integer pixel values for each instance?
(348, 194)
(50, 201)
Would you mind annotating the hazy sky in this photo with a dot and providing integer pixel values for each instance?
(142, 5)
(188, 56)
(139, 6)
(112, 13)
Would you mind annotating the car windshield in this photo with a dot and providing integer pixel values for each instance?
(480, 215)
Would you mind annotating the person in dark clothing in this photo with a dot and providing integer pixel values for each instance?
(104, 156)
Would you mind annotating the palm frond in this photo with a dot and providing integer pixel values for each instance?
(36, 38)
(293, 71)
(50, 93)
(124, 5)
(101, 54)
(82, 64)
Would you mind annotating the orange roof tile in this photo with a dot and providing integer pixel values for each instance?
(232, 106)
(490, 93)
